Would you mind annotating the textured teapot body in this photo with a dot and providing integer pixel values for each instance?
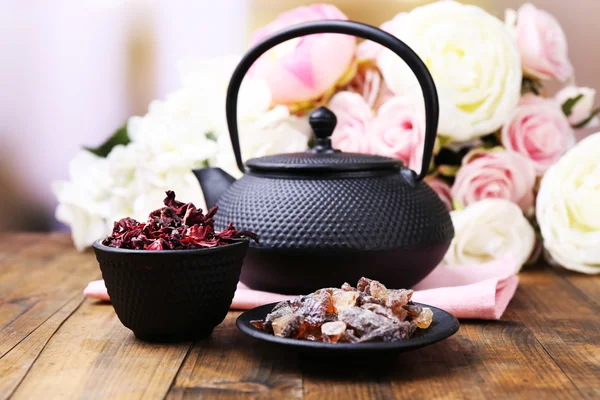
(321, 232)
(343, 212)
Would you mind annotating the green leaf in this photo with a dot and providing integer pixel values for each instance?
(210, 135)
(568, 105)
(117, 138)
(587, 120)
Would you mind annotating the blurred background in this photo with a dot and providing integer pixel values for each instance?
(73, 71)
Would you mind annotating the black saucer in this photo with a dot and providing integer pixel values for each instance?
(443, 326)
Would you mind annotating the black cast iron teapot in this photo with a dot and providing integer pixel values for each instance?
(323, 216)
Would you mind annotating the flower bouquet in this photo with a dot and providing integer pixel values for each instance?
(501, 138)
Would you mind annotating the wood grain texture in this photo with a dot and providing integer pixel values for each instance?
(565, 322)
(15, 364)
(499, 360)
(230, 365)
(589, 285)
(41, 277)
(38, 277)
(54, 344)
(93, 356)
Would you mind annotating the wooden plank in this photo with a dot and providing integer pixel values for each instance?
(35, 244)
(21, 252)
(41, 282)
(37, 281)
(15, 364)
(589, 285)
(24, 254)
(93, 356)
(230, 365)
(9, 242)
(566, 323)
(346, 378)
(484, 360)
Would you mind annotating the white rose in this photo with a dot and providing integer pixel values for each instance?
(583, 107)
(488, 230)
(83, 199)
(473, 59)
(174, 131)
(568, 208)
(86, 227)
(274, 132)
(140, 185)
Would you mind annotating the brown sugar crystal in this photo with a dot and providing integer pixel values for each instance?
(369, 312)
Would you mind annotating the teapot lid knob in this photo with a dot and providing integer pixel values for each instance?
(322, 121)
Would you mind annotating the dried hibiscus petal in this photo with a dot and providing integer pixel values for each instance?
(176, 226)
(158, 244)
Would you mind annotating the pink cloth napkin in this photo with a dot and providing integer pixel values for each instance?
(474, 291)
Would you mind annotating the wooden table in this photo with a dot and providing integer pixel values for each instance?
(55, 344)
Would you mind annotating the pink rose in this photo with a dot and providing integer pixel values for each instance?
(304, 68)
(368, 51)
(538, 130)
(354, 117)
(369, 83)
(542, 44)
(495, 174)
(398, 131)
(442, 189)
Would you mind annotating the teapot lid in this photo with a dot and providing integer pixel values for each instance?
(323, 158)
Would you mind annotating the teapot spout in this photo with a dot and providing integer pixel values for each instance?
(214, 182)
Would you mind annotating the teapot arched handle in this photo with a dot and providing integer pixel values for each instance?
(350, 28)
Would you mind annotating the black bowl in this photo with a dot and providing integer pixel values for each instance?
(171, 295)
